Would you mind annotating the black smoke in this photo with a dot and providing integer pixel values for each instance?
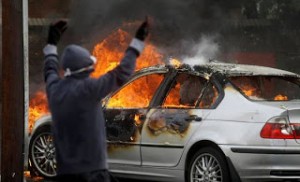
(176, 24)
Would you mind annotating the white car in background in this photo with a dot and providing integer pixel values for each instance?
(212, 123)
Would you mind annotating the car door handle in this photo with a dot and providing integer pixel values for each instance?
(193, 117)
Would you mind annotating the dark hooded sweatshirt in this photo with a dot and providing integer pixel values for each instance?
(74, 101)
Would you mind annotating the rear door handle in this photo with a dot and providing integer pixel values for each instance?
(193, 118)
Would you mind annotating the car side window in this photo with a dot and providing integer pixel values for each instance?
(137, 94)
(185, 91)
(209, 97)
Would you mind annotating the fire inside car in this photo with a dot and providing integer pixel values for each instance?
(205, 118)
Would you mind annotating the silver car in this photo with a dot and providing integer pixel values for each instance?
(214, 122)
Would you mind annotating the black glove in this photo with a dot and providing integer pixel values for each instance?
(56, 29)
(143, 30)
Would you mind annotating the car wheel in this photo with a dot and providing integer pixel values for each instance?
(208, 165)
(42, 153)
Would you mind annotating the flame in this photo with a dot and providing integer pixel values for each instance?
(175, 62)
(38, 106)
(173, 99)
(29, 177)
(280, 97)
(111, 50)
(251, 91)
(145, 86)
(109, 53)
(137, 120)
(248, 90)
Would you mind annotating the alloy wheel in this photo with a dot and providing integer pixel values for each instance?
(206, 168)
(43, 154)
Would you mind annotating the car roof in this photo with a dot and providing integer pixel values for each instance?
(226, 69)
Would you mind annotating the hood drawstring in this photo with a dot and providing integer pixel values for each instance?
(68, 72)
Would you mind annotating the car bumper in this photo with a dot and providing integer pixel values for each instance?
(254, 163)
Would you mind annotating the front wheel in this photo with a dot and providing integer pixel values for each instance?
(208, 165)
(42, 153)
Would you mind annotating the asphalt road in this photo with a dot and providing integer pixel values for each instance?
(43, 180)
(39, 179)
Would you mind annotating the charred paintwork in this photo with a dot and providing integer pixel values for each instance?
(115, 146)
(171, 121)
(124, 125)
(123, 128)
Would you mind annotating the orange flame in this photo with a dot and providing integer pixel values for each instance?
(175, 62)
(145, 87)
(109, 52)
(38, 106)
(249, 91)
(280, 97)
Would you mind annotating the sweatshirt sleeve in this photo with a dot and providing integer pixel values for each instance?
(115, 78)
(51, 74)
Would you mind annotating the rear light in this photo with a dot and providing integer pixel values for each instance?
(280, 128)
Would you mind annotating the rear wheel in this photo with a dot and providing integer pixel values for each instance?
(42, 153)
(208, 165)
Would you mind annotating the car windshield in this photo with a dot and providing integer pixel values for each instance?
(270, 88)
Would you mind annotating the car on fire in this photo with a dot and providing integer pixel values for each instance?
(211, 122)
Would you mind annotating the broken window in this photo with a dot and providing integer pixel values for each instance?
(185, 91)
(271, 88)
(209, 97)
(138, 93)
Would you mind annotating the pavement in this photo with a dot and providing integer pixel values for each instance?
(45, 180)
(27, 178)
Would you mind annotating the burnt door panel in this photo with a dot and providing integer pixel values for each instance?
(168, 129)
(125, 113)
(165, 133)
(123, 135)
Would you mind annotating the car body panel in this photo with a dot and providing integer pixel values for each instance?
(166, 131)
(44, 120)
(123, 136)
(257, 162)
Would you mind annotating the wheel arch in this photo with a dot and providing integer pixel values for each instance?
(196, 146)
(207, 143)
(43, 121)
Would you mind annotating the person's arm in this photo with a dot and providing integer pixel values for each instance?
(51, 65)
(51, 74)
(118, 76)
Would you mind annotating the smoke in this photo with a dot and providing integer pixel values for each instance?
(173, 22)
(207, 49)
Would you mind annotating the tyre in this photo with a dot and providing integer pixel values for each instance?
(42, 153)
(208, 165)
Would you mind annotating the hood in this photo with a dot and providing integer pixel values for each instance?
(75, 57)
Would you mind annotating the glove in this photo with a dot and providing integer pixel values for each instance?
(143, 30)
(55, 31)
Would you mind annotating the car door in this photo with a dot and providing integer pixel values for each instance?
(125, 113)
(169, 127)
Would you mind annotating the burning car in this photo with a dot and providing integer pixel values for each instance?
(211, 122)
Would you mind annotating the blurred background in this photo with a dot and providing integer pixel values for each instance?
(260, 32)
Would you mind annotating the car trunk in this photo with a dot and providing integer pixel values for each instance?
(290, 109)
(294, 118)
